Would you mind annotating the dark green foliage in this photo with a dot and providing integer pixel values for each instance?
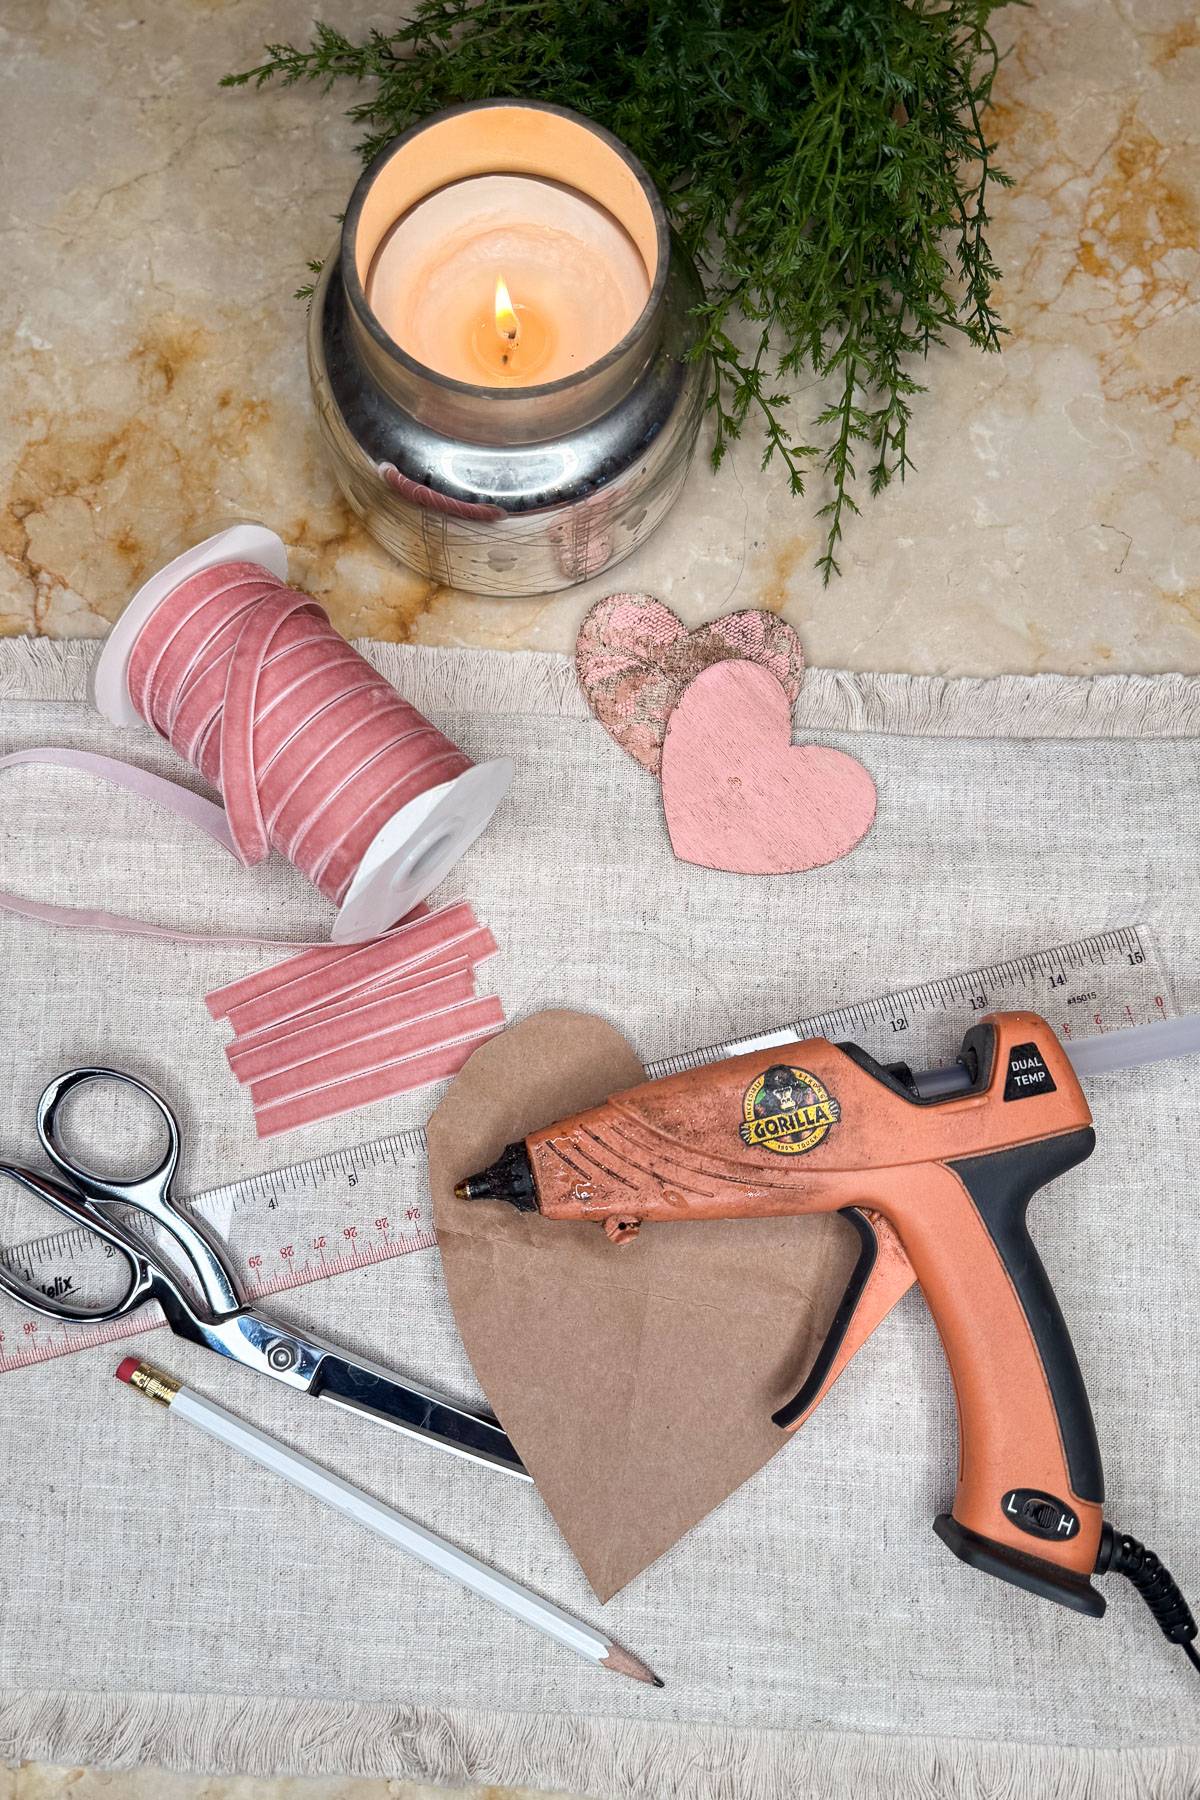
(824, 161)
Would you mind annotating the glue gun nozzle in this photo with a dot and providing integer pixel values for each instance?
(509, 1178)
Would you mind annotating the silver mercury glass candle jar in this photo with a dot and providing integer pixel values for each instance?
(508, 490)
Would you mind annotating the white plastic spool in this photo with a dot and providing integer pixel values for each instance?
(417, 847)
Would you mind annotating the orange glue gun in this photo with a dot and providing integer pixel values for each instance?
(935, 1170)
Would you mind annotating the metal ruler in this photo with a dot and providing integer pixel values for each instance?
(352, 1208)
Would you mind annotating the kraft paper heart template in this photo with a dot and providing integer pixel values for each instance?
(637, 1383)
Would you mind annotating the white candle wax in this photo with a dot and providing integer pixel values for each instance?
(576, 279)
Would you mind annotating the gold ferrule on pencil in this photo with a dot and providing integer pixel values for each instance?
(158, 1387)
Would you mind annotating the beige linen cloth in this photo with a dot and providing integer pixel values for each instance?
(164, 1603)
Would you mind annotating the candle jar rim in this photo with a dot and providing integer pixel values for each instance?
(481, 391)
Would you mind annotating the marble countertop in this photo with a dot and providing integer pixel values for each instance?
(155, 386)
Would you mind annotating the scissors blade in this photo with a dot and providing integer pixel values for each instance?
(362, 1389)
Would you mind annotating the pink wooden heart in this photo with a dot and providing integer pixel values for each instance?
(634, 659)
(739, 795)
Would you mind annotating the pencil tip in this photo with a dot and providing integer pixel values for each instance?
(622, 1663)
(658, 1681)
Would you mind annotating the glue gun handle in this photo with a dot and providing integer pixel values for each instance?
(1030, 1486)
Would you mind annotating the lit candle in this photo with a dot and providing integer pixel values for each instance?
(572, 278)
(503, 354)
(508, 325)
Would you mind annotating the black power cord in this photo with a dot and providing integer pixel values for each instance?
(1125, 1556)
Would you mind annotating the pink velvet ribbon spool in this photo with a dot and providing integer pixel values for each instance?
(314, 753)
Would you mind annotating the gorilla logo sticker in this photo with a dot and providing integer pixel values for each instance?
(787, 1110)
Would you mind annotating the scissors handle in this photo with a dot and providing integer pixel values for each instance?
(148, 1193)
(143, 1190)
(72, 1204)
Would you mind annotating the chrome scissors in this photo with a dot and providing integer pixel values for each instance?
(198, 1291)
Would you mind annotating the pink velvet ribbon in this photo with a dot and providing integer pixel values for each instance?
(330, 1030)
(310, 748)
(333, 1029)
(313, 752)
(222, 1000)
(363, 965)
(414, 1072)
(396, 988)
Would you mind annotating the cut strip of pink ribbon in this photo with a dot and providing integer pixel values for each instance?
(380, 1051)
(316, 1042)
(420, 1071)
(443, 933)
(222, 1001)
(327, 1031)
(401, 988)
(347, 1005)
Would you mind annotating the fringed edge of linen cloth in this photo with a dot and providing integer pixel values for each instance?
(602, 1757)
(532, 681)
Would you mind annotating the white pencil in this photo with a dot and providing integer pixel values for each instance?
(385, 1521)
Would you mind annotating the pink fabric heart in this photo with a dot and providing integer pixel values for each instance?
(739, 795)
(634, 658)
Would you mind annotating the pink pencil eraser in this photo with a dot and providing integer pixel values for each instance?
(128, 1368)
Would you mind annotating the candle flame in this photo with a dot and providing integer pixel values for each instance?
(507, 323)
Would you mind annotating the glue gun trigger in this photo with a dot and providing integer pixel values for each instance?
(880, 1277)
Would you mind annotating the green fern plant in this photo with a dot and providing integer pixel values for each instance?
(825, 161)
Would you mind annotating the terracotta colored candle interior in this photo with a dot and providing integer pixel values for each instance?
(530, 197)
(574, 279)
